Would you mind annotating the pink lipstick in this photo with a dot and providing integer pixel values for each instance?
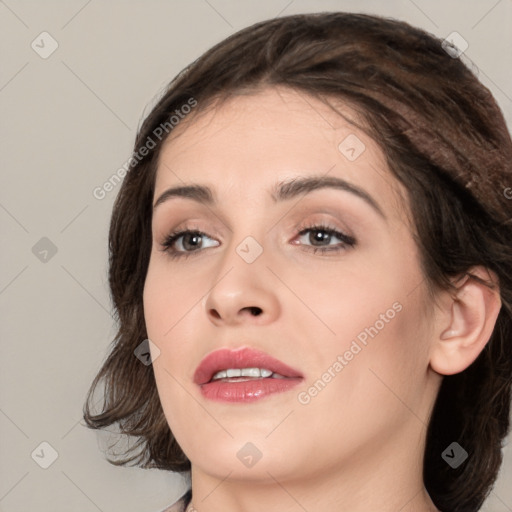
(243, 375)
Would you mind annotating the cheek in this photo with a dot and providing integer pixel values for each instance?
(169, 299)
(171, 312)
(346, 300)
(370, 387)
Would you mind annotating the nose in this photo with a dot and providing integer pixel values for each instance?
(242, 293)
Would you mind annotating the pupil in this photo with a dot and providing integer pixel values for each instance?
(193, 236)
(319, 236)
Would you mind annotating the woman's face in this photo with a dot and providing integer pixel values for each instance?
(348, 313)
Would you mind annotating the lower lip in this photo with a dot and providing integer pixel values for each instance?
(246, 391)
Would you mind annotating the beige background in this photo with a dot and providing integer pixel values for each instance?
(67, 124)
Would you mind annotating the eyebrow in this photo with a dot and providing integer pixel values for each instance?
(281, 192)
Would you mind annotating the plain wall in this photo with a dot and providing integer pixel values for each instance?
(68, 123)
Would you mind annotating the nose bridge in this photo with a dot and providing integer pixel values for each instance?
(241, 286)
(242, 264)
(246, 238)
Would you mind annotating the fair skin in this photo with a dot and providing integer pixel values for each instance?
(357, 445)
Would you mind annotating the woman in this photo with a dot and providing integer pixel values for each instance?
(312, 247)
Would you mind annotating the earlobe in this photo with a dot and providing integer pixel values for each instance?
(466, 322)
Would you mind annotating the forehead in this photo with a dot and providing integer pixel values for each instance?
(275, 134)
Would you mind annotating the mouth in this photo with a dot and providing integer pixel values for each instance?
(243, 375)
(241, 365)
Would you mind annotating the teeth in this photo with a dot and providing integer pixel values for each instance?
(246, 372)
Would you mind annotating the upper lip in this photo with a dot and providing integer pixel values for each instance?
(245, 357)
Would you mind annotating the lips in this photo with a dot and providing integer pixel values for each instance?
(241, 358)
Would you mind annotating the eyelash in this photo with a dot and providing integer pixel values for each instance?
(346, 241)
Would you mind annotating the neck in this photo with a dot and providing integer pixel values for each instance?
(384, 479)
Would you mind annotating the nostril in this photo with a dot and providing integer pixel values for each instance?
(255, 311)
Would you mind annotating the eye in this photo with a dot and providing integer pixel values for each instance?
(321, 236)
(185, 242)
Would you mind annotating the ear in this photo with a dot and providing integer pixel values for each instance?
(464, 321)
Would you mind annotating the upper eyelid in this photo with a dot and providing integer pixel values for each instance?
(298, 226)
(310, 216)
(308, 211)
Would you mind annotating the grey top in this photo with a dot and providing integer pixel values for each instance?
(181, 504)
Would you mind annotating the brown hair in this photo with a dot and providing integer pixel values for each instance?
(444, 138)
